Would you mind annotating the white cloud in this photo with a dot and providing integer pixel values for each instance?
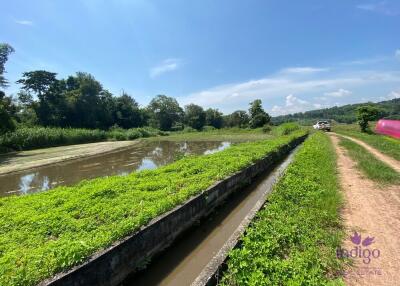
(231, 96)
(397, 54)
(382, 7)
(338, 93)
(302, 70)
(393, 95)
(165, 66)
(293, 104)
(24, 22)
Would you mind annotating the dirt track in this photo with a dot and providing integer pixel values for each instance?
(385, 158)
(373, 211)
(36, 158)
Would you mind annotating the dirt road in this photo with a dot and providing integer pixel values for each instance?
(36, 158)
(370, 211)
(385, 158)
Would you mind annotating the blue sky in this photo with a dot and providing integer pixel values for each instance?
(294, 55)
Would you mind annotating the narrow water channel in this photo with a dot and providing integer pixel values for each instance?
(145, 155)
(186, 258)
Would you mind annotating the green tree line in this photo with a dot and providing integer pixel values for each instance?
(389, 109)
(81, 101)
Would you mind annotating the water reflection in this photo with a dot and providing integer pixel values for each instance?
(147, 155)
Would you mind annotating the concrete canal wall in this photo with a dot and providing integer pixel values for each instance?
(113, 265)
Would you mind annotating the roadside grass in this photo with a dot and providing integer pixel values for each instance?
(369, 165)
(45, 233)
(387, 145)
(293, 239)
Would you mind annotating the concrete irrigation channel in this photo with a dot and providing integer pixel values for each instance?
(189, 244)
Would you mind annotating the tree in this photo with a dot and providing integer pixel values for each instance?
(127, 113)
(195, 116)
(365, 114)
(258, 117)
(5, 51)
(238, 118)
(38, 81)
(6, 106)
(6, 122)
(165, 112)
(214, 118)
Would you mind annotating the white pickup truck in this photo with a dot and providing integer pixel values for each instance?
(322, 125)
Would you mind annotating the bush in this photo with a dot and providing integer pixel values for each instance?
(286, 128)
(267, 128)
(208, 128)
(189, 129)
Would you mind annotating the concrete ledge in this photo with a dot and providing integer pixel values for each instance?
(113, 265)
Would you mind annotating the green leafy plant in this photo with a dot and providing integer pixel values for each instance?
(48, 232)
(286, 128)
(294, 238)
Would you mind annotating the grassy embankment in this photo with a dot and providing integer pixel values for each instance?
(45, 233)
(387, 145)
(41, 137)
(234, 134)
(372, 167)
(293, 239)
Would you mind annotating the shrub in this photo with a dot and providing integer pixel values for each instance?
(286, 128)
(208, 128)
(189, 129)
(267, 128)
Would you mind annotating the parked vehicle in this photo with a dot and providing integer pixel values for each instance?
(322, 125)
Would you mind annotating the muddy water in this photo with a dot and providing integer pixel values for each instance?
(184, 261)
(146, 155)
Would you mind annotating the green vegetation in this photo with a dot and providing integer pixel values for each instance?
(293, 239)
(40, 137)
(365, 114)
(223, 134)
(44, 233)
(372, 167)
(286, 128)
(6, 122)
(387, 145)
(343, 114)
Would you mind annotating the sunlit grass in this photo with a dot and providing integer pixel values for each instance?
(370, 166)
(294, 238)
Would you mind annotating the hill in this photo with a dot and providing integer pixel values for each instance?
(342, 114)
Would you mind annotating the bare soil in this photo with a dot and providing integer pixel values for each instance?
(374, 211)
(24, 160)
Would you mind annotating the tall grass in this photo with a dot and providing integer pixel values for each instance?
(369, 165)
(40, 137)
(388, 145)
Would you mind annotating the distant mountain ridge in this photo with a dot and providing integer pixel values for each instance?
(343, 114)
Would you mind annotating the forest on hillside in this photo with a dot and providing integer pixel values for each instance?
(389, 109)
